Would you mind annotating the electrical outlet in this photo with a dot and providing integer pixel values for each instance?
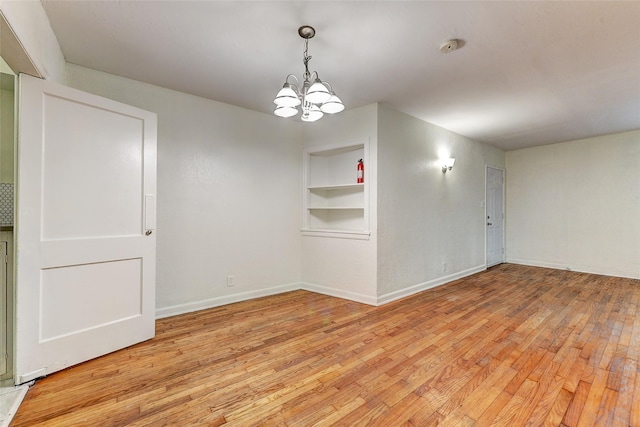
(231, 281)
(444, 267)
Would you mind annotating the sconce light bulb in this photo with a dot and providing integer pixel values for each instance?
(448, 164)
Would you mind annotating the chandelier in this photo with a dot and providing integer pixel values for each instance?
(315, 98)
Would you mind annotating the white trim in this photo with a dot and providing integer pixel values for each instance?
(223, 300)
(340, 293)
(312, 287)
(402, 293)
(573, 267)
(189, 307)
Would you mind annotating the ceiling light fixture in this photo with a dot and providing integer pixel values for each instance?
(316, 97)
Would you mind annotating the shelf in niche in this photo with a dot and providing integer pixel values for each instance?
(336, 187)
(337, 208)
(336, 151)
(341, 234)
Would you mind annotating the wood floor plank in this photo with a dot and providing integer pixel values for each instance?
(340, 413)
(519, 407)
(577, 404)
(492, 411)
(547, 394)
(589, 414)
(558, 409)
(635, 400)
(513, 345)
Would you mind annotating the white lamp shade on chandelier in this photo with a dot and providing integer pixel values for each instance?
(284, 111)
(287, 97)
(315, 98)
(318, 93)
(332, 105)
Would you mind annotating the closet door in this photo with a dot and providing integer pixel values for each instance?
(495, 216)
(85, 280)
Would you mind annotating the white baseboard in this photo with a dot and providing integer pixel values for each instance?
(223, 300)
(339, 293)
(531, 263)
(573, 267)
(402, 293)
(189, 307)
(311, 287)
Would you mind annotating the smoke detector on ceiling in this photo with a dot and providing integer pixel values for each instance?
(449, 46)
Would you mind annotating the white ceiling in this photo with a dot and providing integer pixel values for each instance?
(529, 73)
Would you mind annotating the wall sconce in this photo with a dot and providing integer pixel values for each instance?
(448, 164)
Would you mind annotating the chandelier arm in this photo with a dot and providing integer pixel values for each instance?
(294, 86)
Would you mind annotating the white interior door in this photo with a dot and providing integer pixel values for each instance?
(495, 216)
(85, 280)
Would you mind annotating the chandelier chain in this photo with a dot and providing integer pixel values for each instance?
(306, 59)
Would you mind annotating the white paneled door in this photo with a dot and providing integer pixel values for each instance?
(86, 188)
(495, 216)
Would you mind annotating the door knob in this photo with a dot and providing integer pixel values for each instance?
(489, 223)
(148, 232)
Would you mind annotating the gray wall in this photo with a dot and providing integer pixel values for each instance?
(228, 194)
(427, 218)
(576, 205)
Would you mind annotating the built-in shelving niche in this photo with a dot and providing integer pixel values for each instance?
(334, 204)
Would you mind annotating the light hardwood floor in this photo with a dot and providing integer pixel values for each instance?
(511, 346)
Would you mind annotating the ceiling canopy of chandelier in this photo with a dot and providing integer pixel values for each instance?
(315, 98)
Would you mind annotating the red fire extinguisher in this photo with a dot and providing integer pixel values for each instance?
(360, 172)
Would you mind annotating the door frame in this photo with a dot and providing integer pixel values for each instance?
(484, 218)
(15, 55)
